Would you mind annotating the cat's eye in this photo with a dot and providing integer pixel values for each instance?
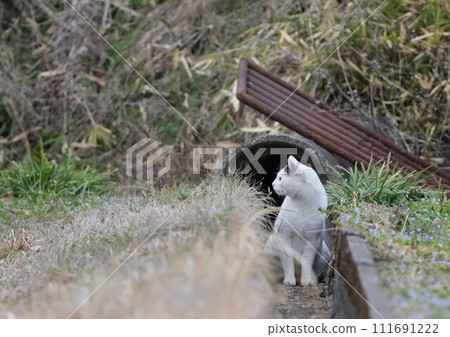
(279, 178)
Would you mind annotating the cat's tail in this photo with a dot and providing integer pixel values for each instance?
(321, 261)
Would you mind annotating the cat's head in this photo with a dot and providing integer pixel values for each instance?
(295, 179)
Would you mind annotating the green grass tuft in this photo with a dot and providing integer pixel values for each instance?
(376, 184)
(40, 179)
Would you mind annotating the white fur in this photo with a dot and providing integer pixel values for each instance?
(299, 227)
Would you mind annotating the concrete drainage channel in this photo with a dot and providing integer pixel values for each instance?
(355, 291)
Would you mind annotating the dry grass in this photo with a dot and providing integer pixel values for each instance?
(16, 242)
(205, 261)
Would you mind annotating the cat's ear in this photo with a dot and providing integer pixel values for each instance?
(294, 165)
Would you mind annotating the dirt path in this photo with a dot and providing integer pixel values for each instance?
(301, 302)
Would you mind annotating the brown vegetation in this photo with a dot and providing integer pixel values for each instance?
(63, 83)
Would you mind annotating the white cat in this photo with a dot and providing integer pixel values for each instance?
(299, 227)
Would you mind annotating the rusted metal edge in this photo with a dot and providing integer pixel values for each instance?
(298, 106)
(307, 123)
(242, 78)
(302, 113)
(251, 65)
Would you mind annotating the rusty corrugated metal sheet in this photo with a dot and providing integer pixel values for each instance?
(302, 113)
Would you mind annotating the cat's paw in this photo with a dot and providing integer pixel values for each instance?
(306, 283)
(289, 282)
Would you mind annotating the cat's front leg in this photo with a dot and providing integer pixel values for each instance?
(308, 256)
(287, 262)
(273, 245)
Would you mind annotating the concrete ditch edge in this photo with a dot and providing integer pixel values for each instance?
(359, 295)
